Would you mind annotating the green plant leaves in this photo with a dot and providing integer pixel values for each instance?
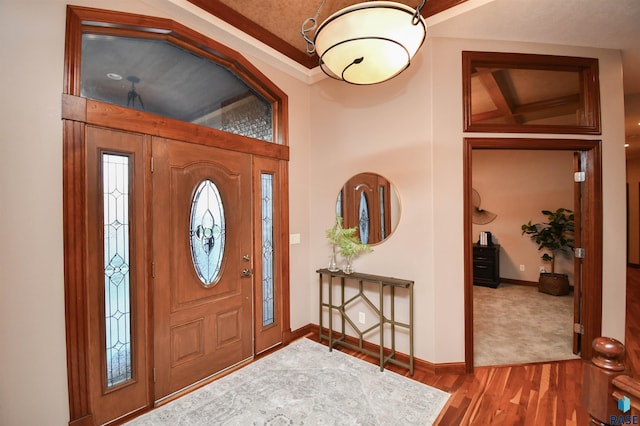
(555, 236)
(346, 240)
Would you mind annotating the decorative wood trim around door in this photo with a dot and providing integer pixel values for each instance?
(78, 112)
(74, 204)
(489, 70)
(592, 230)
(122, 118)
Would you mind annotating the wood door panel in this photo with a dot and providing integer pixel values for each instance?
(187, 341)
(201, 329)
(189, 290)
(184, 296)
(368, 184)
(228, 327)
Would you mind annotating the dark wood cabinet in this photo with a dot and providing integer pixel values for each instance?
(486, 265)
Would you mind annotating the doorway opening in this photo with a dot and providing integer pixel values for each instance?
(514, 322)
(587, 310)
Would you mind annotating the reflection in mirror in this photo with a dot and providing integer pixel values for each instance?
(369, 203)
(509, 92)
(513, 96)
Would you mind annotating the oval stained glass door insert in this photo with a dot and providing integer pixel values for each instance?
(207, 232)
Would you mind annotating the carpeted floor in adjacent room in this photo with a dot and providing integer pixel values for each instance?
(515, 324)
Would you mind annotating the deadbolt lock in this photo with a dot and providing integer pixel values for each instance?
(246, 258)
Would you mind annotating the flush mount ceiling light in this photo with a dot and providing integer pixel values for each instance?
(366, 43)
(114, 76)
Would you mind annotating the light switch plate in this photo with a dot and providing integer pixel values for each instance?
(294, 238)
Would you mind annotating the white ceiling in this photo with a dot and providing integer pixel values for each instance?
(610, 24)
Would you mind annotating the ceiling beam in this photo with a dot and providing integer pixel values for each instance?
(498, 97)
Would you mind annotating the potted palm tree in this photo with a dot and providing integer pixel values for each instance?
(555, 237)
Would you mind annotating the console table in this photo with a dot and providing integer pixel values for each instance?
(382, 282)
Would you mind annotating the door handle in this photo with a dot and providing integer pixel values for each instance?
(246, 272)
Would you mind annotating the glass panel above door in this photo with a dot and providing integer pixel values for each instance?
(525, 93)
(159, 77)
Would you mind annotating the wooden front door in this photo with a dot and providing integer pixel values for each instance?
(178, 328)
(202, 242)
(367, 207)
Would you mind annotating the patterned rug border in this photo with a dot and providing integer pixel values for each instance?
(304, 384)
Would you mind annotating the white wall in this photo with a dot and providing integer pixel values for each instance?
(613, 162)
(380, 129)
(632, 107)
(409, 130)
(517, 185)
(32, 327)
(448, 127)
(633, 182)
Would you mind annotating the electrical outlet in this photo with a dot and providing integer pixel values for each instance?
(361, 317)
(521, 268)
(542, 270)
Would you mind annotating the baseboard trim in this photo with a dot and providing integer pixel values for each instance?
(420, 366)
(306, 330)
(519, 282)
(82, 421)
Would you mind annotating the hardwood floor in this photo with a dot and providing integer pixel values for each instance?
(632, 335)
(529, 394)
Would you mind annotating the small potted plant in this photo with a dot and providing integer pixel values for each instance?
(334, 235)
(347, 243)
(556, 238)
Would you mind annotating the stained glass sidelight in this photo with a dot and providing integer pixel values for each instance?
(364, 218)
(115, 183)
(383, 213)
(207, 232)
(267, 250)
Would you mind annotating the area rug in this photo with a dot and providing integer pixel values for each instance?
(305, 384)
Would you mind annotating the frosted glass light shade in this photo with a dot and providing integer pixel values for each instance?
(370, 42)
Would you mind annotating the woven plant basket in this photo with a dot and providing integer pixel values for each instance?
(554, 284)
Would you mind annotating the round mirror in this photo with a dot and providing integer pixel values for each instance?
(369, 203)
